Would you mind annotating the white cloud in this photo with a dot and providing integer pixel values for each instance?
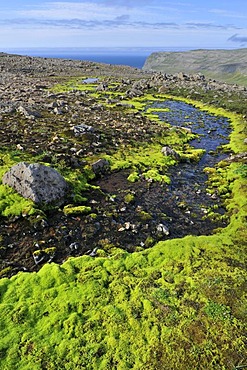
(69, 10)
(228, 13)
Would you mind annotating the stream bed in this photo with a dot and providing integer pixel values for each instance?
(162, 211)
(129, 215)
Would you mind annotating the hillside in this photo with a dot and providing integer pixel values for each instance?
(224, 65)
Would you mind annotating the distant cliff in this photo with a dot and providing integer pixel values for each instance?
(224, 65)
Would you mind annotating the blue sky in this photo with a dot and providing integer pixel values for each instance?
(123, 23)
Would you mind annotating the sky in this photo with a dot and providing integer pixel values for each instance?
(123, 23)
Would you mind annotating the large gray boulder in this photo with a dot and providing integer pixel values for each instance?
(37, 182)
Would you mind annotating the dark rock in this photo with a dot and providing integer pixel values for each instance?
(100, 167)
(37, 182)
(82, 129)
(29, 114)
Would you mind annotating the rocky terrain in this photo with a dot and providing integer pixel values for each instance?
(73, 130)
(225, 65)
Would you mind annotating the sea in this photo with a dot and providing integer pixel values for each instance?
(134, 57)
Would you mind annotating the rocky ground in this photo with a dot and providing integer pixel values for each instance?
(36, 121)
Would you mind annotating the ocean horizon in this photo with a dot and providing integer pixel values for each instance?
(133, 57)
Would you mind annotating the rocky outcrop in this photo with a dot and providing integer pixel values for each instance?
(37, 182)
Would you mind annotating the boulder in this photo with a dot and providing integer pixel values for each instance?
(37, 182)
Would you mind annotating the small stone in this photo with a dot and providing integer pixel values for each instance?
(163, 229)
(94, 252)
(127, 225)
(82, 129)
(19, 147)
(121, 229)
(167, 151)
(74, 246)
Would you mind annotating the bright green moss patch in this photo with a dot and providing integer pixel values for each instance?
(141, 158)
(191, 154)
(153, 114)
(76, 210)
(155, 175)
(129, 198)
(75, 84)
(91, 313)
(133, 177)
(79, 183)
(13, 204)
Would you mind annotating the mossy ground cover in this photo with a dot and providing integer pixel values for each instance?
(179, 305)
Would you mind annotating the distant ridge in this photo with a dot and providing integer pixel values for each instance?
(224, 65)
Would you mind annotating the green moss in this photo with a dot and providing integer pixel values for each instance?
(217, 311)
(79, 182)
(144, 216)
(146, 156)
(129, 198)
(133, 177)
(93, 215)
(149, 242)
(4, 272)
(154, 175)
(76, 210)
(13, 204)
(75, 84)
(50, 251)
(37, 253)
(190, 154)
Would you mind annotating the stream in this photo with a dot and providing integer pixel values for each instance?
(186, 199)
(180, 208)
